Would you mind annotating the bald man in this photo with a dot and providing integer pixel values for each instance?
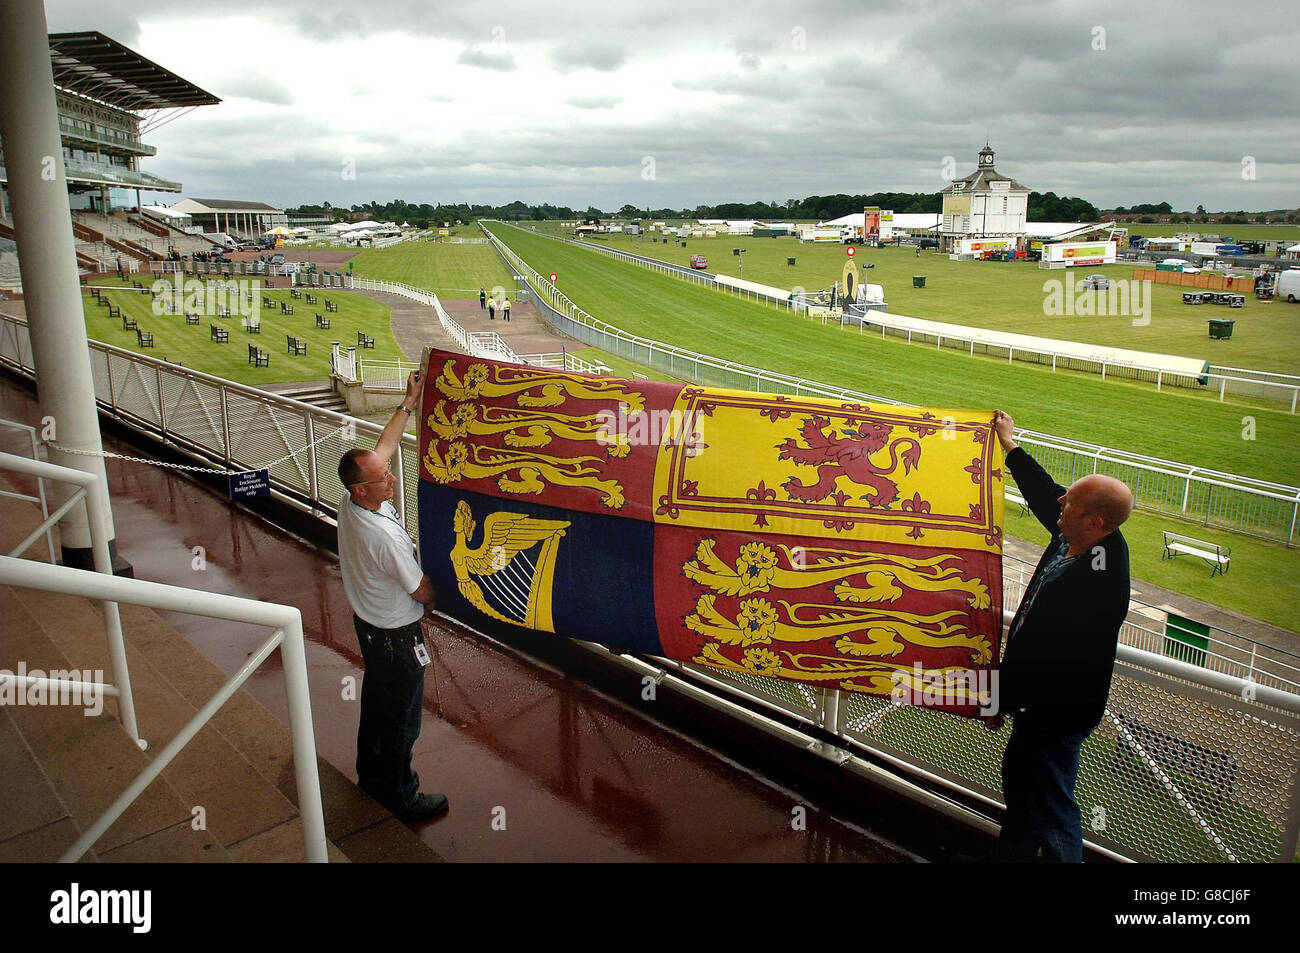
(1056, 669)
(389, 595)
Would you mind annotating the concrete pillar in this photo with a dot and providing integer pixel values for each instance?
(38, 192)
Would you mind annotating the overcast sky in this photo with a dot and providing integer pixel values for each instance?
(673, 104)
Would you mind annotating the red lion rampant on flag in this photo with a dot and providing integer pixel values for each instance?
(848, 456)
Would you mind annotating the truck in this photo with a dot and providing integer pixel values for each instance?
(1080, 253)
(1288, 285)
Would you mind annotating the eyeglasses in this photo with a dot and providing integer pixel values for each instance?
(388, 475)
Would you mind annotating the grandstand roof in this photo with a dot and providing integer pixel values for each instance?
(204, 206)
(100, 68)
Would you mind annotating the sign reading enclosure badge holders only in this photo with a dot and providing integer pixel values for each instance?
(250, 485)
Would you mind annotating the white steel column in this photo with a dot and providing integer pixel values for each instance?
(38, 192)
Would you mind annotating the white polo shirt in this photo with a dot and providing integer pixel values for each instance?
(378, 564)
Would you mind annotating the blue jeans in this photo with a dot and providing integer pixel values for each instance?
(1042, 823)
(391, 696)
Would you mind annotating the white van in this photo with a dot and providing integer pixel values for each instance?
(1288, 285)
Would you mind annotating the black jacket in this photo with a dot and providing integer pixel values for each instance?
(1056, 671)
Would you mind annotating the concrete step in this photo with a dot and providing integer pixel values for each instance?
(230, 795)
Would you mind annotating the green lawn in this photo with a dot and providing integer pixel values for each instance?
(1175, 425)
(1264, 581)
(450, 271)
(1001, 296)
(193, 347)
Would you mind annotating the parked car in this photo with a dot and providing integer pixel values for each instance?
(699, 261)
(277, 259)
(1097, 282)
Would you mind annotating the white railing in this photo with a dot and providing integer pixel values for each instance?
(1227, 652)
(241, 427)
(98, 522)
(343, 361)
(491, 345)
(1240, 504)
(563, 360)
(40, 489)
(288, 637)
(484, 344)
(390, 375)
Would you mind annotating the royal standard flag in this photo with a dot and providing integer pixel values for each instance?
(844, 545)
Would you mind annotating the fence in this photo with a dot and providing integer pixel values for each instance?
(1256, 818)
(563, 360)
(1246, 383)
(487, 344)
(1212, 498)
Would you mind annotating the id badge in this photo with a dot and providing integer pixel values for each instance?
(421, 654)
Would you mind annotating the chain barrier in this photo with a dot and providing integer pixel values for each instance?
(348, 427)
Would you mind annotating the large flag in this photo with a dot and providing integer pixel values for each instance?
(838, 544)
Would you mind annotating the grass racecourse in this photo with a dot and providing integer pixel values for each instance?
(449, 271)
(1000, 296)
(1265, 578)
(1264, 581)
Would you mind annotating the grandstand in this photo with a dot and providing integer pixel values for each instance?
(108, 98)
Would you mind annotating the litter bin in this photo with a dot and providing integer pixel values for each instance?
(1221, 328)
(918, 281)
(789, 261)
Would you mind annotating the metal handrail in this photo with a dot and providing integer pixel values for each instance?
(288, 637)
(40, 488)
(98, 522)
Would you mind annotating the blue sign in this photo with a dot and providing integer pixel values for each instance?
(250, 485)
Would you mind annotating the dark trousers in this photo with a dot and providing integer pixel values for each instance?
(1042, 822)
(391, 694)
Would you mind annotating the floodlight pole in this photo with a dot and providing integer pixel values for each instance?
(56, 324)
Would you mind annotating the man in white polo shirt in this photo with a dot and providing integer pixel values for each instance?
(389, 595)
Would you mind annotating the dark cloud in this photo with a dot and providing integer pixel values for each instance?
(762, 100)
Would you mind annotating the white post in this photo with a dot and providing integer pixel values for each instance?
(38, 190)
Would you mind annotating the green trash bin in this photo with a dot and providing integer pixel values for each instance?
(1221, 328)
(789, 261)
(918, 281)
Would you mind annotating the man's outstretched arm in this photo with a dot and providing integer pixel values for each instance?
(396, 426)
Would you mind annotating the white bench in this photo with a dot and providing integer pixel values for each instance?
(1213, 553)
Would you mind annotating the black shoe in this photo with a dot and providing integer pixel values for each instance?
(424, 805)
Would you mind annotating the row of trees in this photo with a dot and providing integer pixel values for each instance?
(1043, 207)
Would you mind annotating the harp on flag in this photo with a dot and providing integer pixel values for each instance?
(510, 574)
